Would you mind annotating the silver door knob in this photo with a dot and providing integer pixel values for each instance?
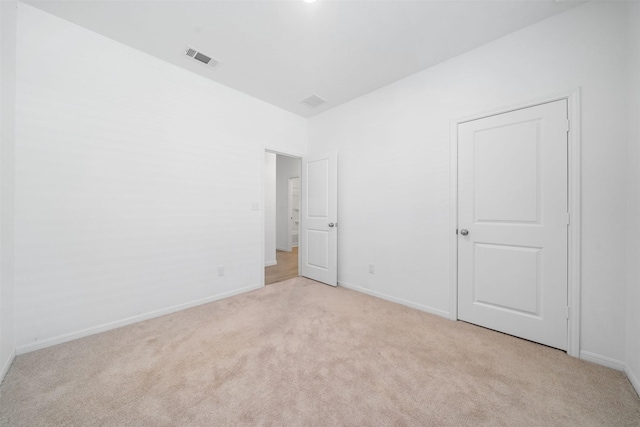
(464, 231)
(331, 224)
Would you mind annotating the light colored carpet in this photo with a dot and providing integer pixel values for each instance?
(302, 353)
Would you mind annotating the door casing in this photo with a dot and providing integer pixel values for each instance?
(262, 212)
(290, 208)
(574, 185)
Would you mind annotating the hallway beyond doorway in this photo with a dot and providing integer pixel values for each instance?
(286, 268)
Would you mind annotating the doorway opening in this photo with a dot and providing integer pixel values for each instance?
(282, 217)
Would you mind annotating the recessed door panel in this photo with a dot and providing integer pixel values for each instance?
(318, 189)
(507, 171)
(515, 288)
(318, 248)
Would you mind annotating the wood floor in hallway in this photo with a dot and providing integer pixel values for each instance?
(286, 268)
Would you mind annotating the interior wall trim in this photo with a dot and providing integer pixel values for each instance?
(7, 365)
(38, 345)
(425, 308)
(618, 365)
(633, 378)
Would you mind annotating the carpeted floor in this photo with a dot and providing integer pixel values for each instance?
(302, 353)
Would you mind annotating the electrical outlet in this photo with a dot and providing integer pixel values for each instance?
(255, 206)
(372, 269)
(221, 270)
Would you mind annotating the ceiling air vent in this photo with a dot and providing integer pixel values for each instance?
(201, 57)
(313, 101)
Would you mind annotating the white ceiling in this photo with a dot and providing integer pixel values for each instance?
(283, 51)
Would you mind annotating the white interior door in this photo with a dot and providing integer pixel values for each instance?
(318, 252)
(512, 222)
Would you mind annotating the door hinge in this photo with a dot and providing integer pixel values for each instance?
(568, 218)
(456, 231)
(568, 125)
(568, 313)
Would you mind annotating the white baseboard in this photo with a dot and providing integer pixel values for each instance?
(7, 365)
(128, 321)
(283, 249)
(270, 263)
(633, 379)
(386, 297)
(602, 360)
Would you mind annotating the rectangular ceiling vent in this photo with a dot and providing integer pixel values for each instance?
(201, 57)
(313, 101)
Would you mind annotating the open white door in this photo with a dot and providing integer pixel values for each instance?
(512, 219)
(318, 220)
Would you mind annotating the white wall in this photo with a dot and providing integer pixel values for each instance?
(287, 167)
(134, 181)
(393, 147)
(7, 144)
(633, 208)
(270, 209)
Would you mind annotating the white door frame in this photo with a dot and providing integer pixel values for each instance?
(262, 212)
(290, 213)
(574, 184)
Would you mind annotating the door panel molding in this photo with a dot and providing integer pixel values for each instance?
(574, 203)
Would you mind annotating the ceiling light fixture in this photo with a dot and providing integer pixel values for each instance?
(309, 1)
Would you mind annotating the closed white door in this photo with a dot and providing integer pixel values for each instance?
(318, 252)
(512, 223)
